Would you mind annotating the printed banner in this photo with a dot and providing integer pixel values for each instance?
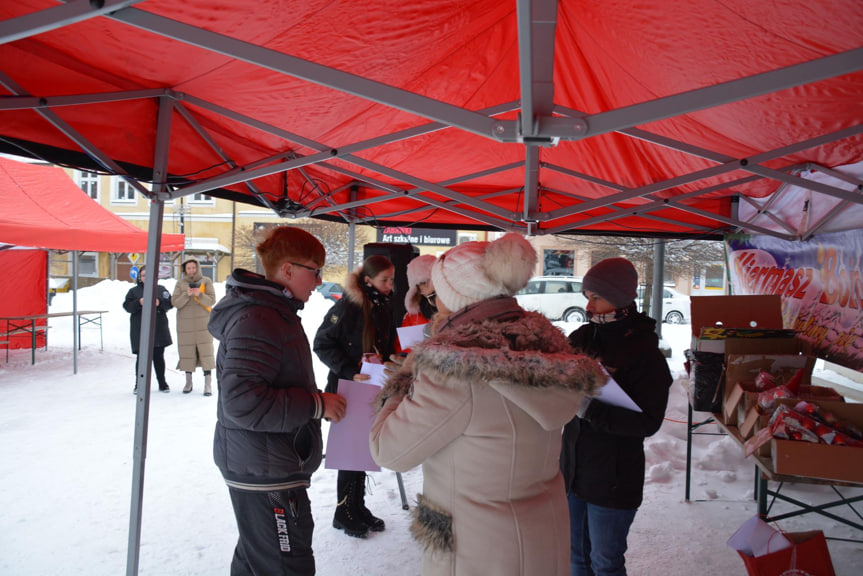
(819, 281)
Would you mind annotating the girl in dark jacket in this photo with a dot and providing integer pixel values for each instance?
(134, 305)
(359, 324)
(602, 457)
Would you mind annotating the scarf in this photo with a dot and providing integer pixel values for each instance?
(377, 298)
(614, 316)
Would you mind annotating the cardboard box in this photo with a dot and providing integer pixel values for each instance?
(823, 461)
(752, 419)
(760, 311)
(746, 312)
(713, 339)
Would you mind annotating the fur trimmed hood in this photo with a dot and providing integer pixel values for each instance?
(523, 349)
(354, 288)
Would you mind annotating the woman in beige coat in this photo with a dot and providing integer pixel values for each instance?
(481, 405)
(194, 298)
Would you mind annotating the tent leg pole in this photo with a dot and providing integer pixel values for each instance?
(75, 335)
(148, 330)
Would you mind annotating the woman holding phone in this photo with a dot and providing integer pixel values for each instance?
(193, 298)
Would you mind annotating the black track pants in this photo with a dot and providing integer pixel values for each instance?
(275, 533)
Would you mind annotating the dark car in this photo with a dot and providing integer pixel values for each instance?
(330, 290)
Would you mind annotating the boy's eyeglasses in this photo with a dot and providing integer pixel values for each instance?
(318, 271)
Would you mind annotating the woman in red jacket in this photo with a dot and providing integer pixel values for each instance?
(420, 302)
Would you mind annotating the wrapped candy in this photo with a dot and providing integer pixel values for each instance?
(830, 429)
(808, 422)
(764, 380)
(794, 383)
(789, 424)
(767, 399)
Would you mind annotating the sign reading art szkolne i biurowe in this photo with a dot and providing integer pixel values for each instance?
(417, 236)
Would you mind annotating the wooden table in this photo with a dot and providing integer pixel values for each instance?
(26, 324)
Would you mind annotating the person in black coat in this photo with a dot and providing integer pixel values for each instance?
(134, 305)
(267, 442)
(361, 323)
(602, 455)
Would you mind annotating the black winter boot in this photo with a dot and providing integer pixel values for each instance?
(346, 517)
(374, 523)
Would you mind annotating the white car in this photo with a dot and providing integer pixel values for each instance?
(675, 306)
(555, 297)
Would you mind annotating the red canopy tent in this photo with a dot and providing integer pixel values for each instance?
(539, 116)
(43, 208)
(570, 116)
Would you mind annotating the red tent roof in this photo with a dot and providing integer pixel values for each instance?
(43, 208)
(612, 116)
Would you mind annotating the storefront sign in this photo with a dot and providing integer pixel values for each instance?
(417, 236)
(820, 282)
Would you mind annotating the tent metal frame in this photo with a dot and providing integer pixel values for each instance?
(540, 123)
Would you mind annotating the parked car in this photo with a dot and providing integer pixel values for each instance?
(330, 290)
(675, 306)
(558, 272)
(555, 297)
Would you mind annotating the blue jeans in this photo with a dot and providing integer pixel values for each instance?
(597, 538)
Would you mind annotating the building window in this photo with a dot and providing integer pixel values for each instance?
(123, 191)
(714, 276)
(88, 264)
(89, 183)
(201, 199)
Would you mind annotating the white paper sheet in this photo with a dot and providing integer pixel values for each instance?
(410, 335)
(757, 538)
(613, 394)
(375, 373)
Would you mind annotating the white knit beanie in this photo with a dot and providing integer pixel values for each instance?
(419, 270)
(476, 271)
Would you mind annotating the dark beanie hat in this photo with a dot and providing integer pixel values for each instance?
(614, 279)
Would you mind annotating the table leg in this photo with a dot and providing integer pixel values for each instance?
(761, 493)
(402, 491)
(688, 447)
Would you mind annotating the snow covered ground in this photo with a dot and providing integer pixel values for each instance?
(66, 474)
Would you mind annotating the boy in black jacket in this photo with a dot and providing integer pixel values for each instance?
(268, 435)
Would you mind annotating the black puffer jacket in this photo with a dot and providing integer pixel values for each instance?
(132, 305)
(339, 340)
(602, 458)
(268, 431)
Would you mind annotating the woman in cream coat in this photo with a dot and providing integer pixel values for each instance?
(194, 298)
(481, 405)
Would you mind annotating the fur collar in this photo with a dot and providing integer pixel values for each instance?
(527, 351)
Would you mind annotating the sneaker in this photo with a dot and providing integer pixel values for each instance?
(164, 388)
